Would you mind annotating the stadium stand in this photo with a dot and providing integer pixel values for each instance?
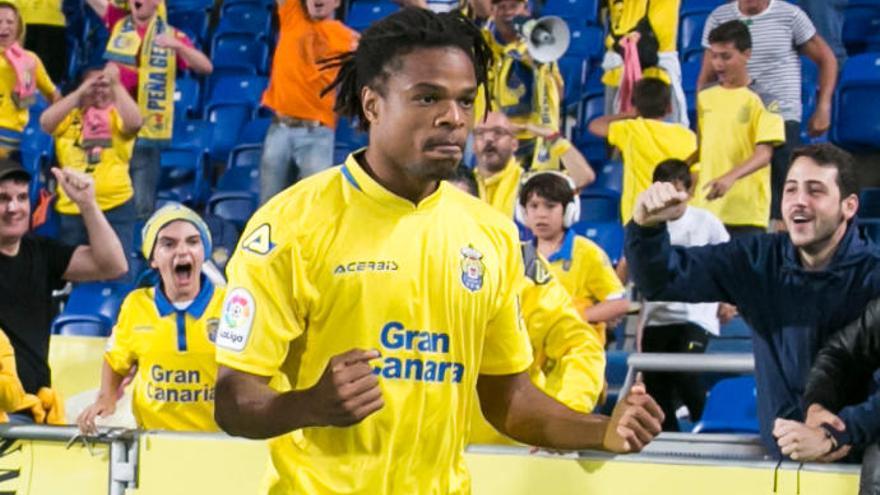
(731, 407)
(855, 100)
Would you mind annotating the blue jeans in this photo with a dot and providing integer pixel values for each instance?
(72, 230)
(292, 153)
(827, 16)
(144, 172)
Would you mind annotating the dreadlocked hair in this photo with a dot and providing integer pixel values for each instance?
(385, 41)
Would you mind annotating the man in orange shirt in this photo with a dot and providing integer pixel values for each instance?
(300, 139)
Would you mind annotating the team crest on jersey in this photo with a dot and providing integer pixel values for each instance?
(472, 268)
(211, 327)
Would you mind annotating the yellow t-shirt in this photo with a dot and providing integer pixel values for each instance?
(12, 117)
(47, 12)
(338, 262)
(586, 273)
(569, 357)
(501, 190)
(624, 15)
(174, 351)
(644, 143)
(112, 181)
(732, 122)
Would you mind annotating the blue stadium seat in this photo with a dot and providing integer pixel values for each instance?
(364, 12)
(182, 172)
(573, 70)
(193, 134)
(691, 20)
(586, 42)
(731, 407)
(268, 4)
(869, 203)
(228, 120)
(690, 71)
(861, 26)
(235, 88)
(609, 176)
(576, 12)
(244, 18)
(736, 328)
(194, 23)
(254, 132)
(600, 205)
(245, 156)
(186, 98)
(233, 206)
(854, 124)
(608, 235)
(592, 106)
(175, 5)
(348, 138)
(233, 51)
(101, 299)
(729, 345)
(240, 179)
(81, 325)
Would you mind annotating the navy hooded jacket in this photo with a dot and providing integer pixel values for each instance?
(791, 311)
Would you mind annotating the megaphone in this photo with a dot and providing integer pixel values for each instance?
(546, 38)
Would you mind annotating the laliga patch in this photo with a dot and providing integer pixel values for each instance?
(237, 320)
(472, 268)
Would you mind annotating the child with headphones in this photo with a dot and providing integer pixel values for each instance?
(549, 206)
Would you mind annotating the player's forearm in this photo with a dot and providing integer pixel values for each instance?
(528, 415)
(246, 406)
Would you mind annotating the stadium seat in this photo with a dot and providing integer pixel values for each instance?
(81, 325)
(240, 179)
(729, 345)
(268, 4)
(182, 172)
(869, 203)
(176, 5)
(254, 132)
(586, 42)
(861, 26)
(235, 88)
(608, 235)
(736, 328)
(364, 12)
(690, 35)
(228, 120)
(609, 176)
(600, 205)
(690, 72)
(348, 138)
(244, 18)
(233, 206)
(854, 124)
(193, 134)
(232, 52)
(592, 106)
(101, 299)
(731, 407)
(186, 98)
(573, 70)
(576, 12)
(194, 23)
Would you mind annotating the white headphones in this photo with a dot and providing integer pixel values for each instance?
(572, 211)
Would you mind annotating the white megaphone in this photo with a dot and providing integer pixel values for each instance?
(546, 38)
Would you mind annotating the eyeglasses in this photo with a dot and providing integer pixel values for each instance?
(496, 131)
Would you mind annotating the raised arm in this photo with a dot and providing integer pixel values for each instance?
(817, 50)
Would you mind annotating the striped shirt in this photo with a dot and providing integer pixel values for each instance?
(776, 35)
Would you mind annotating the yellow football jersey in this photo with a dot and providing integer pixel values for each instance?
(338, 262)
(13, 118)
(732, 122)
(174, 351)
(644, 143)
(112, 181)
(586, 273)
(501, 190)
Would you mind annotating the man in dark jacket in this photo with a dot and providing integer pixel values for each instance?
(839, 382)
(794, 289)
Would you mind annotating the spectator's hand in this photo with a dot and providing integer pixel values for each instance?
(168, 40)
(78, 186)
(820, 121)
(103, 407)
(817, 416)
(659, 203)
(718, 187)
(348, 391)
(726, 312)
(636, 420)
(111, 73)
(801, 442)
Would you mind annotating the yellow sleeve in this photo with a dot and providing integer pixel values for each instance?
(687, 144)
(506, 349)
(120, 353)
(617, 132)
(11, 389)
(266, 300)
(769, 126)
(572, 357)
(600, 280)
(44, 83)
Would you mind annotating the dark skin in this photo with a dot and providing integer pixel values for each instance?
(418, 126)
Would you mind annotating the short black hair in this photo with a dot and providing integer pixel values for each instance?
(465, 175)
(651, 97)
(735, 32)
(381, 45)
(828, 155)
(547, 185)
(673, 170)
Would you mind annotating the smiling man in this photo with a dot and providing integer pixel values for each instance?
(371, 304)
(794, 289)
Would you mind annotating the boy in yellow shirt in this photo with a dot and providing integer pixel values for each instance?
(644, 139)
(167, 331)
(737, 133)
(548, 206)
(95, 127)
